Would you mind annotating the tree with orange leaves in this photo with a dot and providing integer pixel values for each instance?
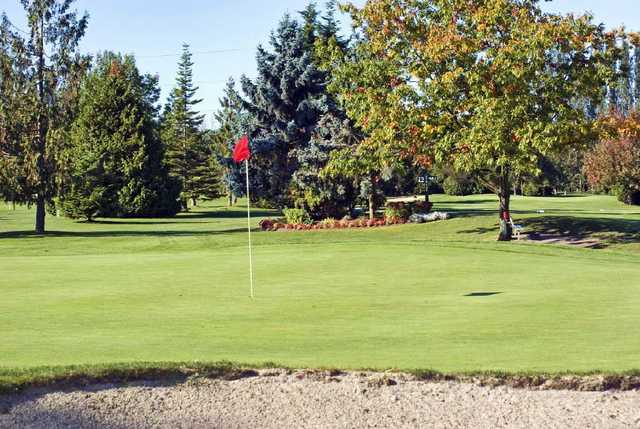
(488, 86)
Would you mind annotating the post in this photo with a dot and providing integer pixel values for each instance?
(249, 228)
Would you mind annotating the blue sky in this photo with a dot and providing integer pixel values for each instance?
(155, 33)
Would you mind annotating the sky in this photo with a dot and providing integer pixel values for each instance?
(223, 34)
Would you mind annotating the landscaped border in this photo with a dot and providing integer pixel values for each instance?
(64, 377)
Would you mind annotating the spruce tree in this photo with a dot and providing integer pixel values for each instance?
(232, 124)
(285, 103)
(43, 64)
(116, 157)
(187, 155)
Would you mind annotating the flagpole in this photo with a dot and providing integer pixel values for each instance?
(249, 228)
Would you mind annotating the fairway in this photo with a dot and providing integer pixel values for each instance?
(443, 296)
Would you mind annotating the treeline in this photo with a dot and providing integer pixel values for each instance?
(86, 137)
(480, 98)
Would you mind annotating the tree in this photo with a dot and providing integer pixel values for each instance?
(285, 103)
(635, 42)
(232, 122)
(613, 165)
(320, 195)
(42, 64)
(116, 157)
(484, 86)
(188, 157)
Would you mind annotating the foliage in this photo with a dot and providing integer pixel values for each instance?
(396, 211)
(189, 158)
(115, 159)
(614, 164)
(285, 102)
(38, 79)
(487, 87)
(296, 216)
(322, 196)
(232, 123)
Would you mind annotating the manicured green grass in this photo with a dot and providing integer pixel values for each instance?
(444, 296)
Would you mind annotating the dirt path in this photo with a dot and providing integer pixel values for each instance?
(281, 400)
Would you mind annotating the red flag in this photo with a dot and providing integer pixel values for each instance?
(242, 152)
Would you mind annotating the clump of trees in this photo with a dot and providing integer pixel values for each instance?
(84, 137)
(613, 165)
(115, 159)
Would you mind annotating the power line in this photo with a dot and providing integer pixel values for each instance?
(14, 26)
(219, 51)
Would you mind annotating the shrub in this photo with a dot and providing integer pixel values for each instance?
(297, 216)
(458, 187)
(266, 224)
(329, 223)
(397, 211)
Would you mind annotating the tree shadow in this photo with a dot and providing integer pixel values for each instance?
(183, 218)
(574, 229)
(227, 214)
(609, 230)
(105, 234)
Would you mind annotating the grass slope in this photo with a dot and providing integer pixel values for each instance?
(444, 296)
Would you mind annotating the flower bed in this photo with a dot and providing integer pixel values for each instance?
(275, 225)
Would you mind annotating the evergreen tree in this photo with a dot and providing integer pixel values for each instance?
(116, 157)
(42, 67)
(285, 103)
(188, 158)
(625, 89)
(319, 195)
(635, 41)
(310, 25)
(232, 124)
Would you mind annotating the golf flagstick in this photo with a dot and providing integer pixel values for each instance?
(246, 164)
(242, 152)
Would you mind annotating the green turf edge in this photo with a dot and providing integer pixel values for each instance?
(62, 377)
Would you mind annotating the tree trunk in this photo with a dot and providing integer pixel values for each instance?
(40, 214)
(229, 200)
(43, 128)
(372, 206)
(194, 202)
(506, 230)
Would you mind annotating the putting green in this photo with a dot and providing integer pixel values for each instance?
(402, 297)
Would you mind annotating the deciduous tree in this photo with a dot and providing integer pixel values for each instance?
(487, 86)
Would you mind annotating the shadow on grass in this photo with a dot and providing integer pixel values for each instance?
(105, 234)
(482, 294)
(184, 218)
(607, 230)
(610, 230)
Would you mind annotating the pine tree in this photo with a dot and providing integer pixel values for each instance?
(43, 65)
(116, 157)
(187, 156)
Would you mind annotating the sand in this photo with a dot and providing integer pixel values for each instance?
(280, 399)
